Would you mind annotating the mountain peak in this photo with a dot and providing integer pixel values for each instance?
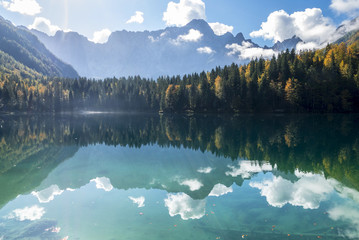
(239, 37)
(201, 25)
(197, 22)
(289, 43)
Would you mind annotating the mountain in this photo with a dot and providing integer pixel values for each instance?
(349, 38)
(8, 66)
(290, 44)
(171, 51)
(25, 50)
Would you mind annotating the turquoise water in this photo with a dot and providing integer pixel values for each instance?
(151, 177)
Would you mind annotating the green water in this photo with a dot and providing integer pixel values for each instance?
(113, 176)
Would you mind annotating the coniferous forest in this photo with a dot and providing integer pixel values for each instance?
(325, 80)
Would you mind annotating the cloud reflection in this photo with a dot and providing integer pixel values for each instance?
(205, 170)
(140, 201)
(183, 205)
(245, 169)
(103, 183)
(220, 189)
(28, 213)
(48, 194)
(348, 214)
(307, 192)
(193, 184)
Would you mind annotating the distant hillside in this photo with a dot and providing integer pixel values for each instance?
(9, 66)
(25, 48)
(349, 38)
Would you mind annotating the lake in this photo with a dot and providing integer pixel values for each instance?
(143, 176)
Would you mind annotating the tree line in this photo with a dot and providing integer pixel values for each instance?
(325, 80)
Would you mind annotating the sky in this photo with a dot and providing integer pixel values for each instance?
(264, 21)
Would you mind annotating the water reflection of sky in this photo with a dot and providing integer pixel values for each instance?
(99, 209)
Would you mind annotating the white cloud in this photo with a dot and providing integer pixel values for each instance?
(28, 213)
(247, 51)
(192, 36)
(48, 194)
(309, 25)
(179, 14)
(345, 6)
(307, 192)
(183, 205)
(205, 50)
(220, 189)
(245, 169)
(205, 169)
(193, 184)
(26, 7)
(308, 46)
(137, 18)
(103, 183)
(44, 25)
(220, 28)
(101, 36)
(140, 201)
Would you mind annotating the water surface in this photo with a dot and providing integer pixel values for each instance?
(179, 177)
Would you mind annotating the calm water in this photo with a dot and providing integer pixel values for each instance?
(179, 177)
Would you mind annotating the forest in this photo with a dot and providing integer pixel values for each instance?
(325, 80)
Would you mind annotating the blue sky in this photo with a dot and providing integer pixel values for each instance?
(104, 16)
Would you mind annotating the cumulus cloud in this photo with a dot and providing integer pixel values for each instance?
(28, 213)
(192, 36)
(183, 205)
(26, 7)
(103, 183)
(44, 25)
(350, 7)
(101, 36)
(48, 194)
(205, 50)
(137, 18)
(247, 51)
(205, 169)
(220, 189)
(140, 201)
(179, 14)
(309, 25)
(220, 28)
(307, 192)
(245, 169)
(193, 184)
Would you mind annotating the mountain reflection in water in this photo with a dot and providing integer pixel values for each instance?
(256, 176)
